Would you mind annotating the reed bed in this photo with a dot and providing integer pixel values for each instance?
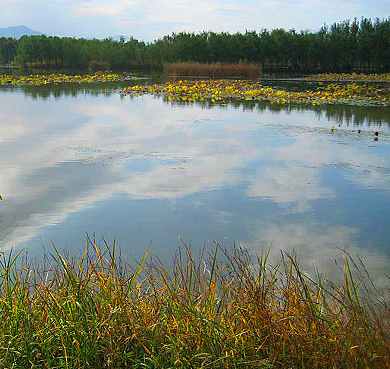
(212, 70)
(219, 310)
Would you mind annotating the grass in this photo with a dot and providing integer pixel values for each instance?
(212, 70)
(220, 310)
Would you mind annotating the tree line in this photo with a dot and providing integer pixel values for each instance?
(361, 45)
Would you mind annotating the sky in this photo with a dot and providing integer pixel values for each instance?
(151, 19)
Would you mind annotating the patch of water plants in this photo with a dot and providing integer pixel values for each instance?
(59, 78)
(378, 77)
(221, 90)
(223, 309)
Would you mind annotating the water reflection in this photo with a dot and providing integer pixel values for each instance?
(322, 248)
(66, 90)
(340, 114)
(145, 170)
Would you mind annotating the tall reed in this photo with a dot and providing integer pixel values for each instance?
(212, 70)
(219, 310)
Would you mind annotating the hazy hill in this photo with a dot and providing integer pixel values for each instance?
(17, 31)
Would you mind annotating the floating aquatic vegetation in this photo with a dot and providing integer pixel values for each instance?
(350, 77)
(44, 79)
(222, 89)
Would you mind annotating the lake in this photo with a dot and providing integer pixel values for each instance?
(83, 159)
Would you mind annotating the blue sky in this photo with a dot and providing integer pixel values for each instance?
(151, 19)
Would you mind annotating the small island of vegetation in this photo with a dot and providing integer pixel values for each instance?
(222, 90)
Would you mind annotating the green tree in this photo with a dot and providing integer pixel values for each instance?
(7, 49)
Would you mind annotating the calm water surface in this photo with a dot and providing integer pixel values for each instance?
(79, 159)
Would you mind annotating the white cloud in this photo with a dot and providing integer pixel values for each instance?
(151, 19)
(104, 9)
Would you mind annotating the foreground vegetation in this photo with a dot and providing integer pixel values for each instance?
(222, 90)
(222, 310)
(345, 46)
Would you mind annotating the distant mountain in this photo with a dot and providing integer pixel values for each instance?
(17, 31)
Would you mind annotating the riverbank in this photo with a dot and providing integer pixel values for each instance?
(94, 311)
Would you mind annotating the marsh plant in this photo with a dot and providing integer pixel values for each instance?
(223, 309)
(187, 69)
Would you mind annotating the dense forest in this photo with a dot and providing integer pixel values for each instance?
(359, 45)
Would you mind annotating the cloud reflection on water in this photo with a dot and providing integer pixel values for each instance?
(320, 248)
(65, 156)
